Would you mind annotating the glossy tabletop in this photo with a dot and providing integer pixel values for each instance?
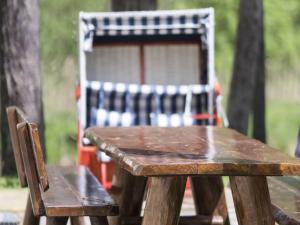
(196, 150)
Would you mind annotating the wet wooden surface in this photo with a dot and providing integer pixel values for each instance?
(74, 191)
(151, 151)
(285, 200)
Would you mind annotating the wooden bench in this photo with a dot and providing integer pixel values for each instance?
(285, 196)
(56, 192)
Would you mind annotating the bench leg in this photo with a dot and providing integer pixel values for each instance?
(251, 200)
(77, 220)
(56, 220)
(128, 192)
(98, 220)
(164, 200)
(209, 196)
(29, 217)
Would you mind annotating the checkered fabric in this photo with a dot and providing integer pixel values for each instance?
(118, 104)
(174, 22)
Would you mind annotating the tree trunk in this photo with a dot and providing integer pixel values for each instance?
(133, 5)
(259, 103)
(247, 84)
(19, 69)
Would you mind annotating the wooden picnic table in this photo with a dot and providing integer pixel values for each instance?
(169, 155)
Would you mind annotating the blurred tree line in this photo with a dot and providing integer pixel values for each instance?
(282, 29)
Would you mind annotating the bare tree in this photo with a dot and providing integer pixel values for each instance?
(131, 5)
(247, 91)
(19, 69)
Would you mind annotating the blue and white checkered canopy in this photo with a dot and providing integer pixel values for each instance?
(177, 22)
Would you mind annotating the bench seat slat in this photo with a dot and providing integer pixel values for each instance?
(285, 200)
(75, 192)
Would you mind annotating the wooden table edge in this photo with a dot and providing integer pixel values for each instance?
(205, 169)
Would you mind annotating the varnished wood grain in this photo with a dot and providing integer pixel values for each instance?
(150, 151)
(39, 158)
(128, 192)
(29, 218)
(14, 117)
(209, 196)
(77, 193)
(251, 200)
(164, 200)
(183, 220)
(285, 200)
(73, 191)
(30, 168)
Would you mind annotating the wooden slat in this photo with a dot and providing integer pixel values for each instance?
(29, 218)
(76, 193)
(94, 198)
(30, 168)
(157, 151)
(60, 200)
(285, 200)
(39, 158)
(12, 116)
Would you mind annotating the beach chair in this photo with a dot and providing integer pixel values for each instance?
(144, 68)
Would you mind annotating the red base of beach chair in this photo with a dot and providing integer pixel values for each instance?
(102, 170)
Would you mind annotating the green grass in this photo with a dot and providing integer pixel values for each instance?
(283, 122)
(61, 137)
(9, 182)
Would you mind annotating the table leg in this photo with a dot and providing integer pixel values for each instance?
(128, 192)
(164, 200)
(209, 196)
(251, 200)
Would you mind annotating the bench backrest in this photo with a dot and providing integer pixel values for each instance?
(15, 116)
(28, 156)
(37, 178)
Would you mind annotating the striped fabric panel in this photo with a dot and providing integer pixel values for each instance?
(110, 104)
(149, 23)
(141, 102)
(180, 22)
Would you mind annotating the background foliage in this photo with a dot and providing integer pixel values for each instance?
(59, 27)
